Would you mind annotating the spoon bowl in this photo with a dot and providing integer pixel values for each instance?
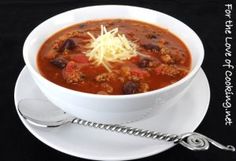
(43, 113)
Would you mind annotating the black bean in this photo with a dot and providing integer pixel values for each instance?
(151, 47)
(130, 87)
(69, 44)
(59, 62)
(143, 63)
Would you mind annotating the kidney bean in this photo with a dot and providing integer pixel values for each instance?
(143, 63)
(130, 87)
(69, 44)
(59, 62)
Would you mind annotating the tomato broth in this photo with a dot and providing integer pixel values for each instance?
(160, 58)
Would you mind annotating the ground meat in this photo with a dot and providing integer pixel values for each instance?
(107, 88)
(165, 50)
(121, 79)
(143, 87)
(151, 36)
(77, 34)
(140, 73)
(134, 78)
(125, 71)
(134, 73)
(151, 47)
(162, 43)
(130, 87)
(72, 73)
(178, 57)
(166, 58)
(102, 93)
(152, 64)
(170, 70)
(105, 77)
(51, 54)
(183, 71)
(56, 44)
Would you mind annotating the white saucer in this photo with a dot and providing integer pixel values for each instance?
(97, 144)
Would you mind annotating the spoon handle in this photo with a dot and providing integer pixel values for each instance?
(192, 140)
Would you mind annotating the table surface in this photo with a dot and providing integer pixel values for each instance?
(19, 17)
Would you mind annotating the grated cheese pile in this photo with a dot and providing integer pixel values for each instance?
(110, 46)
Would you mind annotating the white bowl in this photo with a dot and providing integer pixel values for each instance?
(111, 109)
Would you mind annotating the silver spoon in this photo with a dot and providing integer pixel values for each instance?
(42, 113)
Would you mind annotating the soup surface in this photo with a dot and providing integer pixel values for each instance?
(114, 57)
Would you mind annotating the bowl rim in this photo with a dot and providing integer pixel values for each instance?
(137, 95)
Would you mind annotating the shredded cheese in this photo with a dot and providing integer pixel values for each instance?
(110, 46)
